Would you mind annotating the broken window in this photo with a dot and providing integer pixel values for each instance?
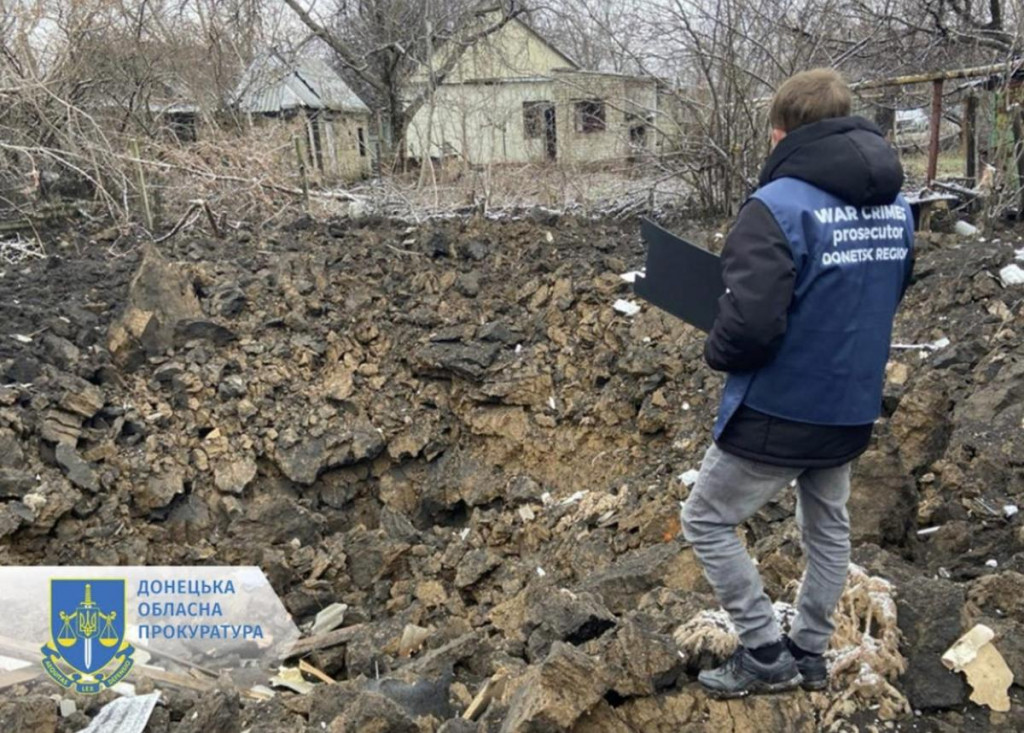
(533, 118)
(362, 142)
(590, 115)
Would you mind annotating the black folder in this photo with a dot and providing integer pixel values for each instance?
(681, 278)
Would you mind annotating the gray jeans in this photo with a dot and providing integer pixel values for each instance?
(730, 490)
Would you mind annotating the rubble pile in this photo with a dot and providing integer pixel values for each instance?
(458, 431)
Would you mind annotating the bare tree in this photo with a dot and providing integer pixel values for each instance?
(380, 43)
(84, 84)
(603, 35)
(724, 59)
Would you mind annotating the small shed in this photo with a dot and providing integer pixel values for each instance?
(312, 101)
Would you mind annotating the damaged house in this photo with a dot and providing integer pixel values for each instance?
(513, 97)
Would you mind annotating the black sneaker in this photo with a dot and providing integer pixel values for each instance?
(813, 669)
(742, 675)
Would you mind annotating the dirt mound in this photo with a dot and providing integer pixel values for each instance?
(449, 429)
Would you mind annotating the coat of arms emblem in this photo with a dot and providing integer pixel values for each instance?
(87, 650)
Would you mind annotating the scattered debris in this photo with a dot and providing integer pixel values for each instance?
(413, 638)
(965, 228)
(931, 346)
(985, 669)
(493, 688)
(291, 678)
(329, 619)
(626, 307)
(1011, 275)
(124, 715)
(308, 668)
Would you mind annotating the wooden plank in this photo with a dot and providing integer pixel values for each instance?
(176, 659)
(170, 678)
(319, 674)
(493, 689)
(959, 191)
(915, 199)
(18, 676)
(967, 73)
(30, 653)
(18, 649)
(325, 641)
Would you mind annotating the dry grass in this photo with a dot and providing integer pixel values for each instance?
(864, 657)
(865, 651)
(612, 189)
(949, 165)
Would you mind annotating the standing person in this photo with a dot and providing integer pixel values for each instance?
(814, 268)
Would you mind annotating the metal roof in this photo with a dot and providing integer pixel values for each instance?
(273, 83)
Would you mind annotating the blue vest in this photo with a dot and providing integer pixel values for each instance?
(851, 263)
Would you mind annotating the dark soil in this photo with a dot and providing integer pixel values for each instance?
(447, 426)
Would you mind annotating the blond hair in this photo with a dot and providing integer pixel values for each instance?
(810, 96)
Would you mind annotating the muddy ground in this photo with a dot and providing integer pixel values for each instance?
(448, 427)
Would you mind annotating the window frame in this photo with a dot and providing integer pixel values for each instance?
(590, 116)
(533, 119)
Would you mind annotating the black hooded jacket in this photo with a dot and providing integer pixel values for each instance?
(849, 158)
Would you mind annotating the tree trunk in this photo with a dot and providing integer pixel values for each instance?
(1018, 154)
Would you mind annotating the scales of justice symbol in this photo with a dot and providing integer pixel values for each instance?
(89, 634)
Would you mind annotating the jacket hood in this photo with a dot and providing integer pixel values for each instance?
(846, 156)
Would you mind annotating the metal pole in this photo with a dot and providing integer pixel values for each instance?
(971, 139)
(934, 124)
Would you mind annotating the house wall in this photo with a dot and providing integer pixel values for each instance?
(513, 52)
(674, 121)
(334, 134)
(484, 123)
(479, 123)
(343, 157)
(628, 103)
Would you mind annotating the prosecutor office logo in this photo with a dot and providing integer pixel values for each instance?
(87, 650)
